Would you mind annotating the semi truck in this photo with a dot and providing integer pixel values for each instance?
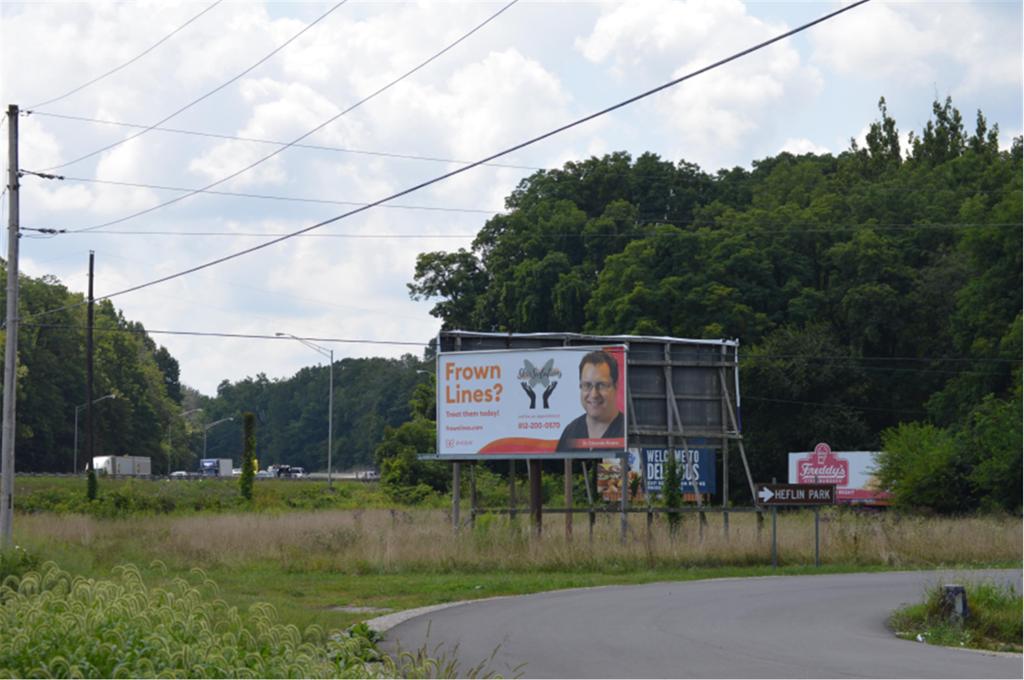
(133, 466)
(215, 467)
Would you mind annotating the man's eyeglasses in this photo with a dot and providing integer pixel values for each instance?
(601, 387)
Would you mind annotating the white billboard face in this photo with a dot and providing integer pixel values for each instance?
(853, 473)
(554, 401)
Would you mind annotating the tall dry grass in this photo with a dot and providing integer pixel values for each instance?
(382, 541)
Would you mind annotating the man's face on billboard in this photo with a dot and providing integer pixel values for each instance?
(598, 394)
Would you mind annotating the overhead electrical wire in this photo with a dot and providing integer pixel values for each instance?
(129, 62)
(499, 154)
(244, 336)
(832, 405)
(261, 336)
(327, 122)
(256, 140)
(269, 197)
(207, 95)
(790, 226)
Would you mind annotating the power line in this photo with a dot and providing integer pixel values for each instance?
(256, 140)
(208, 94)
(494, 156)
(130, 61)
(270, 197)
(259, 336)
(792, 226)
(834, 406)
(242, 336)
(254, 234)
(327, 122)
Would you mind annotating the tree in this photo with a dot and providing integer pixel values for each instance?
(671, 492)
(245, 482)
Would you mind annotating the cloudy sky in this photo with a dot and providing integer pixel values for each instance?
(535, 67)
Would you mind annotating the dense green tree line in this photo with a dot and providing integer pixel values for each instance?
(145, 417)
(877, 287)
(291, 414)
(141, 419)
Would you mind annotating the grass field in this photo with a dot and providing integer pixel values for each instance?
(994, 622)
(314, 565)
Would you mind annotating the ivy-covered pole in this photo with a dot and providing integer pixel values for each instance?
(245, 482)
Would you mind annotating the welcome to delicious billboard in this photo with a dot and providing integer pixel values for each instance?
(559, 400)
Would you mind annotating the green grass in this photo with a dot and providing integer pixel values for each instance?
(126, 497)
(994, 621)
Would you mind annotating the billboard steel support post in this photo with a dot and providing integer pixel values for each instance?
(817, 535)
(736, 428)
(568, 498)
(512, 488)
(775, 549)
(456, 493)
(624, 496)
(472, 495)
(592, 516)
(725, 465)
(535, 497)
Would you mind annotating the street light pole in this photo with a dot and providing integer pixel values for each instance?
(207, 428)
(170, 443)
(329, 353)
(77, 410)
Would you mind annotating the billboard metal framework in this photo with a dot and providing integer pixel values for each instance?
(680, 393)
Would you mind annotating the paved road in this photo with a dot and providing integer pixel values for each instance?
(830, 626)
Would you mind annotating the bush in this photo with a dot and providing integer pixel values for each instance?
(57, 625)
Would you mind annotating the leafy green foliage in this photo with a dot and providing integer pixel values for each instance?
(64, 626)
(248, 475)
(91, 485)
(871, 288)
(671, 492)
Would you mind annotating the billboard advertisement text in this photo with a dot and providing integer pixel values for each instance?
(853, 473)
(559, 400)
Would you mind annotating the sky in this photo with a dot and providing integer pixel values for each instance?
(532, 68)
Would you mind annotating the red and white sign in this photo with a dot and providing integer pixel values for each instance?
(853, 473)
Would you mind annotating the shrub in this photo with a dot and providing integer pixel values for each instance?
(58, 625)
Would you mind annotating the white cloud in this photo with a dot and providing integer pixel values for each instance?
(912, 43)
(802, 145)
(643, 42)
(535, 68)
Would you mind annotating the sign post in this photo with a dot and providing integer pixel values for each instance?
(796, 495)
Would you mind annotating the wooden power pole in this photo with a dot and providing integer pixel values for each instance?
(11, 341)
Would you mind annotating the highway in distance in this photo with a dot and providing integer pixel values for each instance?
(828, 626)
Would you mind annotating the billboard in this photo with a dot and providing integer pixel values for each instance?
(853, 473)
(557, 401)
(695, 465)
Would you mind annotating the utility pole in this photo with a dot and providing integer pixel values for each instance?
(90, 439)
(11, 341)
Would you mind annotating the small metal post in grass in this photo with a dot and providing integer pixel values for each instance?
(775, 551)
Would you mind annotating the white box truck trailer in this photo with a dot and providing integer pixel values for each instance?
(127, 466)
(215, 467)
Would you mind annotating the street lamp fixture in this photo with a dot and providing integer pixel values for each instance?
(112, 395)
(207, 428)
(329, 353)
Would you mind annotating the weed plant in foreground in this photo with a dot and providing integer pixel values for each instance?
(994, 623)
(391, 541)
(317, 567)
(57, 625)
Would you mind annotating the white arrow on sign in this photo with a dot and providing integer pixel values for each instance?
(765, 494)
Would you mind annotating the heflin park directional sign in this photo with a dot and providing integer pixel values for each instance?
(796, 494)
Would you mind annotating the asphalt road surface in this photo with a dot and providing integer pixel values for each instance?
(830, 626)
